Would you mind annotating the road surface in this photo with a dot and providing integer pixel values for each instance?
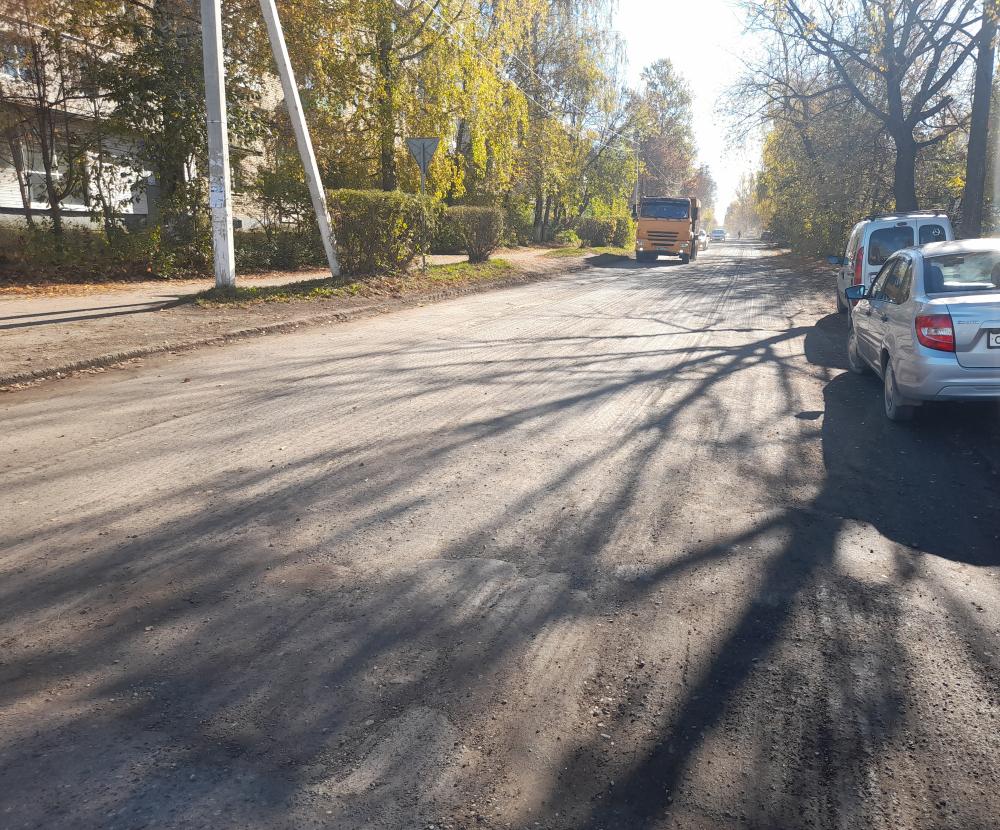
(628, 548)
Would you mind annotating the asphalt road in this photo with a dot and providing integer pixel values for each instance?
(628, 548)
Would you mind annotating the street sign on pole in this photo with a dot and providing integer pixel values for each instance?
(422, 149)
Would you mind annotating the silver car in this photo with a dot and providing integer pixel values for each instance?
(929, 325)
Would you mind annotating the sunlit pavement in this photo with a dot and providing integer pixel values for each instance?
(629, 548)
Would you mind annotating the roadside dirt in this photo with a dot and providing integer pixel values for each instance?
(45, 340)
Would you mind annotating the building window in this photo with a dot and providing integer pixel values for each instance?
(15, 60)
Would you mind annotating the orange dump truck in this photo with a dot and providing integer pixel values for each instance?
(667, 226)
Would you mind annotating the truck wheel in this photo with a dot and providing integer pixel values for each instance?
(685, 259)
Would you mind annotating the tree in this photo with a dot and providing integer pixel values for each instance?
(900, 60)
(41, 106)
(975, 171)
(155, 83)
(743, 214)
(667, 147)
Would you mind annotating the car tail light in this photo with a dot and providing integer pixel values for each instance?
(936, 331)
(859, 261)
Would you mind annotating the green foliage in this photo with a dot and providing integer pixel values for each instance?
(288, 250)
(380, 232)
(80, 253)
(480, 228)
(447, 237)
(816, 183)
(517, 223)
(568, 239)
(624, 232)
(597, 233)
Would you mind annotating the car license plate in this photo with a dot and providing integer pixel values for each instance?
(993, 338)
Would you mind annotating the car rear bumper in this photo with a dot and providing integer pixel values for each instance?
(941, 378)
(978, 391)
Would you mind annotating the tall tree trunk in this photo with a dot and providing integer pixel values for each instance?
(975, 165)
(386, 106)
(539, 227)
(904, 183)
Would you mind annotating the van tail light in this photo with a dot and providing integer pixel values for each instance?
(859, 261)
(936, 331)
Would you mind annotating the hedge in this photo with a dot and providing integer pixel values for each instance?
(380, 232)
(624, 234)
(618, 231)
(279, 249)
(480, 229)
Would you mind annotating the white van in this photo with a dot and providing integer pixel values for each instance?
(877, 238)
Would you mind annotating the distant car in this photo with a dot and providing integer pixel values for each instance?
(929, 325)
(875, 239)
(719, 235)
(702, 240)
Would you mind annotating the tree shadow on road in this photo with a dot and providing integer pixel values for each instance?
(258, 655)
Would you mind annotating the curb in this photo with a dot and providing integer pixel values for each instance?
(112, 358)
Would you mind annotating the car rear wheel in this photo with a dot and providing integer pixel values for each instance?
(855, 362)
(895, 409)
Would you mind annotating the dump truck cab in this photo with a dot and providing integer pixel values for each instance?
(667, 226)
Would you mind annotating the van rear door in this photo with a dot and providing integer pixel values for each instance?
(883, 242)
(936, 229)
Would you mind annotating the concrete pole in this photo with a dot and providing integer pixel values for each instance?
(294, 104)
(220, 199)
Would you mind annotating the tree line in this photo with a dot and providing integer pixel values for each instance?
(529, 98)
(867, 106)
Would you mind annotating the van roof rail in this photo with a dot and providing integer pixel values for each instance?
(892, 213)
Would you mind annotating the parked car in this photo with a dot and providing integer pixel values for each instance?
(875, 239)
(719, 235)
(702, 240)
(929, 325)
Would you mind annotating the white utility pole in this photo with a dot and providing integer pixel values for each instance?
(220, 199)
(280, 51)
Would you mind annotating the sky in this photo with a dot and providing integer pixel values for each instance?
(703, 39)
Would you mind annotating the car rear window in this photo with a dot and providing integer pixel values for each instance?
(931, 233)
(977, 271)
(884, 242)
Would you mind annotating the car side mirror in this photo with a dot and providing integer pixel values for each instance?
(856, 292)
(835, 260)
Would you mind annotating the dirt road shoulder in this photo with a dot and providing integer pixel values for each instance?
(44, 344)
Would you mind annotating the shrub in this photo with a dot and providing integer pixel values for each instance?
(279, 249)
(481, 229)
(447, 238)
(380, 232)
(568, 239)
(596, 232)
(518, 223)
(87, 254)
(624, 233)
